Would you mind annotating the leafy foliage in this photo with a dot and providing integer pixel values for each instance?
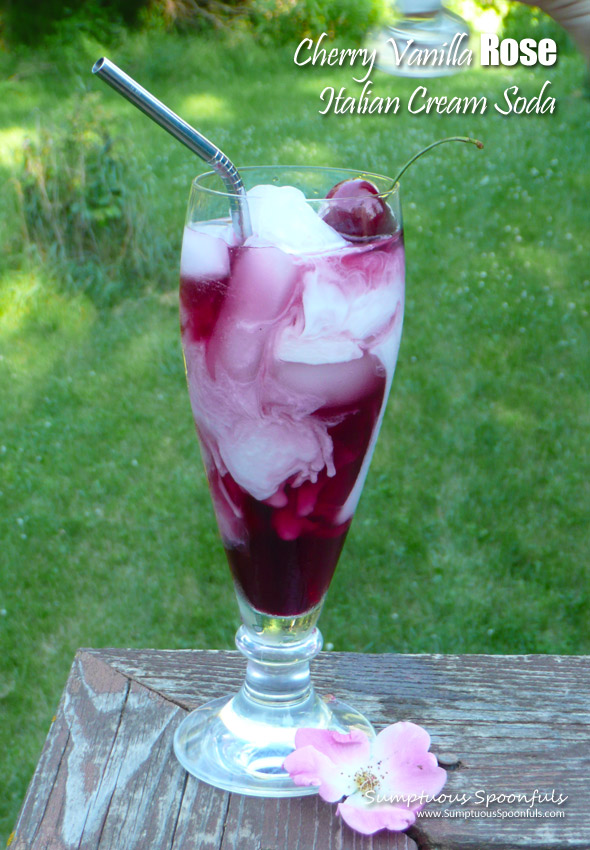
(31, 21)
(530, 22)
(183, 15)
(81, 199)
(279, 21)
(282, 21)
(276, 21)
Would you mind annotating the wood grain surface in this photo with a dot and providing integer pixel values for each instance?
(108, 778)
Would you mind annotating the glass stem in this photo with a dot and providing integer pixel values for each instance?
(278, 674)
(241, 744)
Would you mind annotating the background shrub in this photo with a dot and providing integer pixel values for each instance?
(280, 21)
(82, 197)
(288, 20)
(32, 21)
(276, 21)
(523, 21)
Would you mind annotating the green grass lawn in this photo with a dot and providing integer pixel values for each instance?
(472, 532)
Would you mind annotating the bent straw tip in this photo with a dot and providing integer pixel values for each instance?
(98, 64)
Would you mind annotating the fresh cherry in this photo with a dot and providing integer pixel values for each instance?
(356, 210)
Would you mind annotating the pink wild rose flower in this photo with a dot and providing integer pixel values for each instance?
(385, 781)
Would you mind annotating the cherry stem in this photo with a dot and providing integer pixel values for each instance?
(475, 142)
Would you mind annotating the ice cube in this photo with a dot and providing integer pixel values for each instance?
(261, 454)
(338, 321)
(372, 311)
(229, 517)
(348, 508)
(386, 347)
(332, 384)
(262, 285)
(238, 351)
(203, 257)
(319, 334)
(281, 216)
(362, 269)
(325, 305)
(295, 347)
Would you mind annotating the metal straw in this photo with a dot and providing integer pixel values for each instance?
(186, 134)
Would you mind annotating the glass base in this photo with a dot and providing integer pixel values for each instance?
(215, 744)
(239, 743)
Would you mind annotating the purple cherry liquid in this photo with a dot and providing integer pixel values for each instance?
(289, 358)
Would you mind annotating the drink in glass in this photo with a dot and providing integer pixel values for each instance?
(290, 343)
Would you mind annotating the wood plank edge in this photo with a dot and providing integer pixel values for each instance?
(97, 654)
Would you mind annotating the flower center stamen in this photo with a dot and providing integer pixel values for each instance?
(365, 780)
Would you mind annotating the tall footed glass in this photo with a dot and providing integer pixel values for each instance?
(290, 343)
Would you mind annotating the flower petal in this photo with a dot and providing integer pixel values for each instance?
(410, 770)
(328, 759)
(307, 766)
(369, 819)
(350, 750)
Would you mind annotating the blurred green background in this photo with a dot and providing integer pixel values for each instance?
(472, 532)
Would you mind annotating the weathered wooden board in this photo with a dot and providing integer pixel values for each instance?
(108, 778)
